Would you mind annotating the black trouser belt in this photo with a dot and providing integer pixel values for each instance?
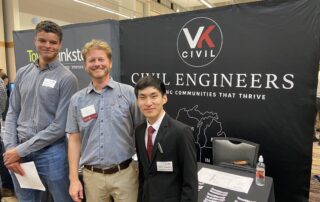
(123, 165)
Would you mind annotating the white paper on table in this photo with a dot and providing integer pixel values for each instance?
(31, 179)
(225, 180)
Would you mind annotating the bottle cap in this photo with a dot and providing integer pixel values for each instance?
(261, 159)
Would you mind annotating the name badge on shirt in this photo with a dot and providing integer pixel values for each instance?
(88, 113)
(49, 83)
(164, 166)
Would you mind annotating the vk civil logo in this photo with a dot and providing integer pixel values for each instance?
(199, 42)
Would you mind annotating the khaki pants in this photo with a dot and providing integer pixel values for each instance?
(122, 185)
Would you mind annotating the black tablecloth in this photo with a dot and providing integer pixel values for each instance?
(256, 193)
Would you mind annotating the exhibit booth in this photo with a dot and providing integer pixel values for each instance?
(247, 71)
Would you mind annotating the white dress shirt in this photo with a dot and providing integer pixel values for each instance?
(155, 126)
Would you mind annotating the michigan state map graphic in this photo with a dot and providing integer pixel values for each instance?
(205, 126)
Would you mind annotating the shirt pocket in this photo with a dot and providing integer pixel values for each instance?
(49, 96)
(120, 109)
(86, 123)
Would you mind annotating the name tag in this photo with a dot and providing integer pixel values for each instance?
(164, 166)
(88, 113)
(49, 83)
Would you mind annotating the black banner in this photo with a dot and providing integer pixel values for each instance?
(246, 71)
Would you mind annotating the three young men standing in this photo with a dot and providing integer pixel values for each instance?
(100, 121)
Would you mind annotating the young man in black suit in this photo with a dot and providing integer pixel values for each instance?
(165, 149)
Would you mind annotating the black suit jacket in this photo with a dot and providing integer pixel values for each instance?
(177, 145)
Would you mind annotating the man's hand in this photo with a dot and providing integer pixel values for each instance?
(11, 160)
(76, 190)
(16, 167)
(11, 156)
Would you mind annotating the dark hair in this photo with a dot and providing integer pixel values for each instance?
(150, 81)
(49, 26)
(3, 76)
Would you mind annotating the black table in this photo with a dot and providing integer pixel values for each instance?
(256, 193)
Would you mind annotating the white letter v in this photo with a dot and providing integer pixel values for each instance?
(193, 42)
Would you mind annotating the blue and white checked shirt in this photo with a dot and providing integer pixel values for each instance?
(108, 138)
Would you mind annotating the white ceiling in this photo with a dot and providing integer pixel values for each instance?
(65, 10)
(70, 11)
(197, 3)
(187, 3)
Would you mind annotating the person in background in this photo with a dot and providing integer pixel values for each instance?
(165, 149)
(37, 116)
(5, 79)
(3, 97)
(3, 94)
(100, 124)
(7, 184)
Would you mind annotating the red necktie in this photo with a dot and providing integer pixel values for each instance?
(149, 143)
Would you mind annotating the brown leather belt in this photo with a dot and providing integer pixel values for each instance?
(123, 165)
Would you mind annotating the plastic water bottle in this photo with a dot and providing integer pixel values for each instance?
(260, 172)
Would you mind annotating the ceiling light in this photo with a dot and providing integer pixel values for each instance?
(97, 6)
(205, 3)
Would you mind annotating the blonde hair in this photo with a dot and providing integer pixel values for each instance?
(96, 44)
